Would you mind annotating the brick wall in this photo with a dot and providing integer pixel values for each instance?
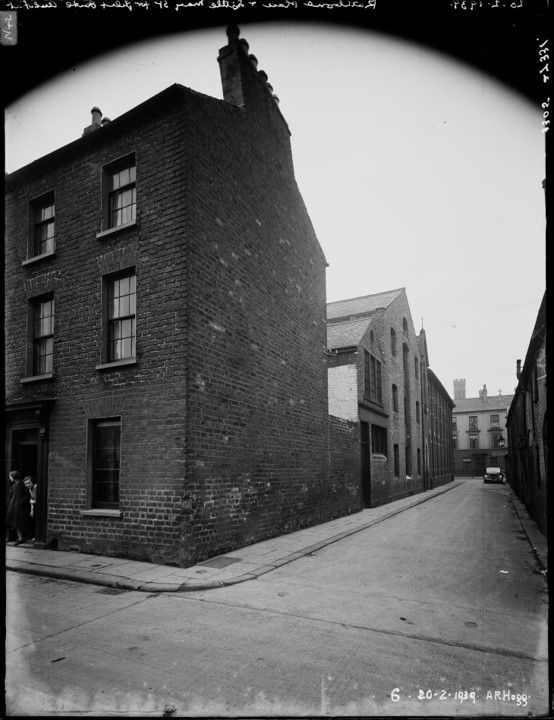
(527, 466)
(393, 317)
(150, 396)
(344, 463)
(225, 435)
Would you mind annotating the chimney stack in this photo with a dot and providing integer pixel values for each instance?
(96, 121)
(518, 369)
(243, 84)
(483, 394)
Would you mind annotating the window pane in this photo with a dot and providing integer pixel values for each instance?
(113, 309)
(127, 348)
(105, 459)
(121, 311)
(124, 306)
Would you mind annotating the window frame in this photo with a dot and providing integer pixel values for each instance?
(473, 425)
(108, 281)
(118, 165)
(395, 398)
(93, 425)
(379, 440)
(33, 370)
(36, 205)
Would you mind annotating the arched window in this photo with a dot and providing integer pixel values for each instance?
(393, 342)
(405, 326)
(416, 368)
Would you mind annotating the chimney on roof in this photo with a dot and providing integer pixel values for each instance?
(96, 121)
(518, 369)
(247, 87)
(483, 394)
(460, 389)
(243, 84)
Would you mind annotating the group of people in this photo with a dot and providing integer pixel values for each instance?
(20, 516)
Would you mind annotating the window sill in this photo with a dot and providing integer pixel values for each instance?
(116, 230)
(37, 378)
(116, 364)
(38, 258)
(102, 512)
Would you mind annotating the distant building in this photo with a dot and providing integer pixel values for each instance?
(378, 379)
(166, 334)
(479, 437)
(527, 427)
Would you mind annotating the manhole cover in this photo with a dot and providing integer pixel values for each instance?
(220, 562)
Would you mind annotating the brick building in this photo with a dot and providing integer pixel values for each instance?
(527, 466)
(165, 305)
(378, 379)
(478, 430)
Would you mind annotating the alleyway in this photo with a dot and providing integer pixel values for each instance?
(430, 612)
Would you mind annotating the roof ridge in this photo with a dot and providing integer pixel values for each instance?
(361, 297)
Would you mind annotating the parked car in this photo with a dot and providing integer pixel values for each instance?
(493, 475)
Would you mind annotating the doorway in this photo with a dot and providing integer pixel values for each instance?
(25, 452)
(27, 449)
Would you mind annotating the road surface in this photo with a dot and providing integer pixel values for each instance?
(440, 610)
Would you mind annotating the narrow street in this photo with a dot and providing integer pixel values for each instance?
(439, 610)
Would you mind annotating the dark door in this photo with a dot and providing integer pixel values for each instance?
(25, 452)
(366, 472)
(27, 449)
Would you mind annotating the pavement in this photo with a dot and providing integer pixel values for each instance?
(536, 539)
(239, 566)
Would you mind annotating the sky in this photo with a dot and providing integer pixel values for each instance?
(417, 170)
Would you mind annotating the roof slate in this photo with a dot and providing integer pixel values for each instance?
(346, 334)
(359, 305)
(493, 402)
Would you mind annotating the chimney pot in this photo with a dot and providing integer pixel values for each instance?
(270, 88)
(518, 369)
(244, 45)
(276, 99)
(96, 115)
(105, 121)
(254, 60)
(233, 32)
(263, 75)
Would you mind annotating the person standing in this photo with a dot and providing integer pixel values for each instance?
(13, 476)
(32, 490)
(19, 509)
